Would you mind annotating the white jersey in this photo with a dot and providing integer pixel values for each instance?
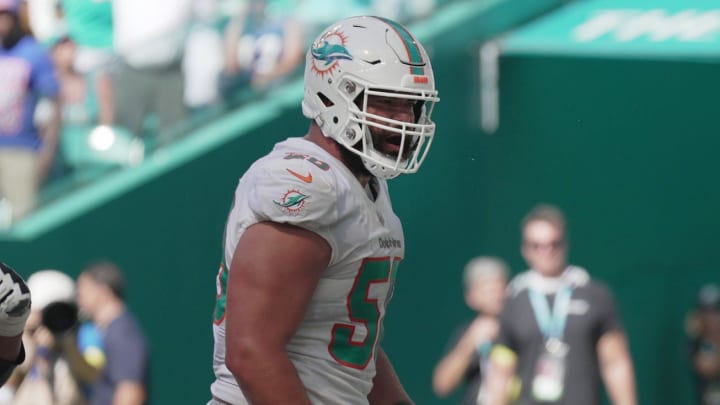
(335, 346)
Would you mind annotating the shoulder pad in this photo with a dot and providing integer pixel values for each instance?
(293, 191)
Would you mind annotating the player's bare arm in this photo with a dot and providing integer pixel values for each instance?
(387, 389)
(272, 278)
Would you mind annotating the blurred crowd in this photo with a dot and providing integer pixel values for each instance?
(106, 82)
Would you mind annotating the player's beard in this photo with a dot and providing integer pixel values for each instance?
(354, 162)
(379, 141)
(387, 143)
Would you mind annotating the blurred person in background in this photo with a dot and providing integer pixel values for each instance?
(43, 19)
(63, 356)
(124, 378)
(260, 48)
(559, 329)
(14, 312)
(86, 100)
(26, 150)
(301, 293)
(468, 352)
(704, 331)
(149, 37)
(203, 57)
(83, 55)
(89, 25)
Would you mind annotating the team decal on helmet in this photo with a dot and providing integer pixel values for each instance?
(416, 63)
(327, 51)
(293, 201)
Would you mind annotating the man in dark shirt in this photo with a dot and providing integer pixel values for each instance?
(124, 379)
(559, 330)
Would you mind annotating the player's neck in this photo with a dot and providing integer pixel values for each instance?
(316, 136)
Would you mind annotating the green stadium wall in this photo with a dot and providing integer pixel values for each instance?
(628, 148)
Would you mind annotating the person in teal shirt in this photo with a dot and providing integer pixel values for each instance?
(90, 25)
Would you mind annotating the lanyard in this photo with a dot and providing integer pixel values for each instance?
(552, 324)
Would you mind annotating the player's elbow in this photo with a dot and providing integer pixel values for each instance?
(248, 354)
(240, 356)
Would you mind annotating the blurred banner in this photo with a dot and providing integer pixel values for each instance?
(646, 29)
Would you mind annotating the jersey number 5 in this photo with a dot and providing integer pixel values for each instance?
(363, 310)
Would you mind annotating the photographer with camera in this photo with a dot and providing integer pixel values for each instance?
(63, 355)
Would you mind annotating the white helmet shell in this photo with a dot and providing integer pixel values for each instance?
(48, 286)
(367, 56)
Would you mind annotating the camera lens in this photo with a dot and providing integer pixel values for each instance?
(60, 317)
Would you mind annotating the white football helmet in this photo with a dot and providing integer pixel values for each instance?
(367, 56)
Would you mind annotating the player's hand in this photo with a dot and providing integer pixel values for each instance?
(14, 302)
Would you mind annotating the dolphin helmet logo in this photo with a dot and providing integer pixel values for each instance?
(328, 51)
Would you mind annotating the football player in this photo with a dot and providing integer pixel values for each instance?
(312, 244)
